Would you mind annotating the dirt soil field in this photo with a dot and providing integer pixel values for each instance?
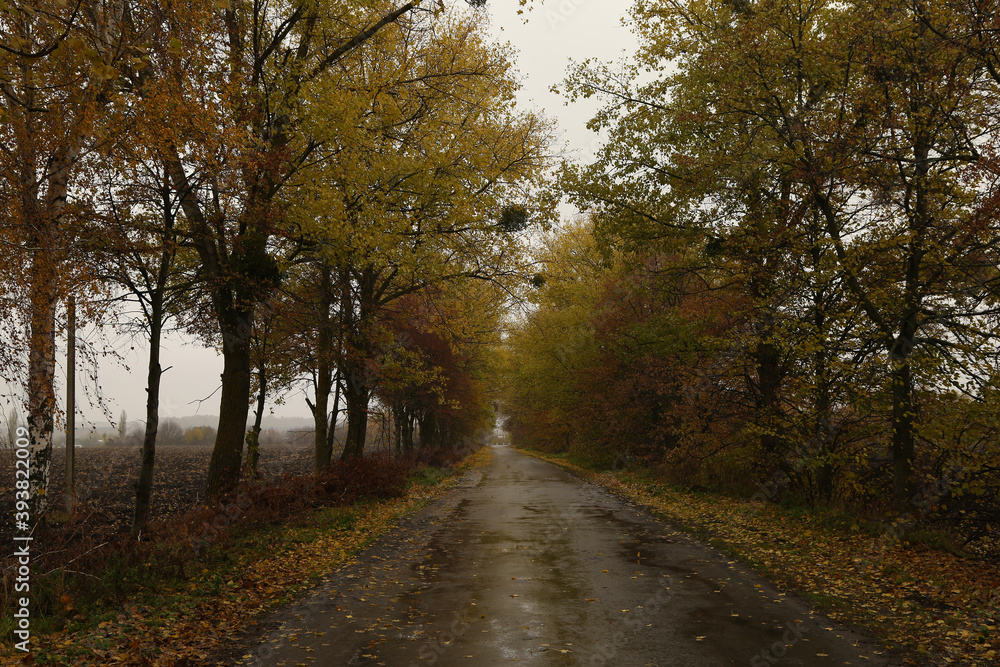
(105, 478)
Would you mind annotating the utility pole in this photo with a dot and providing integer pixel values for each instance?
(71, 406)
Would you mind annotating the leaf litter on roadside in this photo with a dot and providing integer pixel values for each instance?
(926, 602)
(193, 624)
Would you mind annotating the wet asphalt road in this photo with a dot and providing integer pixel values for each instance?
(526, 564)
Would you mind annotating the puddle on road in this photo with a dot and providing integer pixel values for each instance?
(528, 573)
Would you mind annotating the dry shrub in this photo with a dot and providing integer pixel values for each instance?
(373, 478)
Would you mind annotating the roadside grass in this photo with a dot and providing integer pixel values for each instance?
(429, 475)
(177, 600)
(918, 594)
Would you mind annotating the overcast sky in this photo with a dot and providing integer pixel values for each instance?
(556, 31)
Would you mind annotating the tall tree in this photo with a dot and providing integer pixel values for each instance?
(869, 137)
(134, 243)
(407, 198)
(57, 71)
(259, 67)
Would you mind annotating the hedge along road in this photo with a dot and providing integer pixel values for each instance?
(523, 563)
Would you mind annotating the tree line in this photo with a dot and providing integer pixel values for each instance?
(329, 192)
(789, 266)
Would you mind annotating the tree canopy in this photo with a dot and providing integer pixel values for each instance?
(798, 202)
(279, 178)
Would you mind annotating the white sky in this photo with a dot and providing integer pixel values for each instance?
(556, 32)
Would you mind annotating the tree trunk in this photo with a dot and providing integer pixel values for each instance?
(824, 441)
(901, 379)
(428, 430)
(397, 422)
(321, 417)
(253, 437)
(768, 365)
(324, 374)
(41, 375)
(825, 473)
(360, 381)
(224, 468)
(44, 162)
(901, 387)
(44, 294)
(357, 397)
(157, 294)
(408, 431)
(144, 485)
(331, 436)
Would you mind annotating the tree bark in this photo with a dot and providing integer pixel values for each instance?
(397, 422)
(901, 387)
(408, 430)
(253, 437)
(144, 485)
(157, 316)
(224, 467)
(767, 359)
(41, 375)
(825, 472)
(357, 397)
(360, 381)
(331, 436)
(428, 430)
(324, 374)
(235, 319)
(323, 452)
(44, 294)
(900, 375)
